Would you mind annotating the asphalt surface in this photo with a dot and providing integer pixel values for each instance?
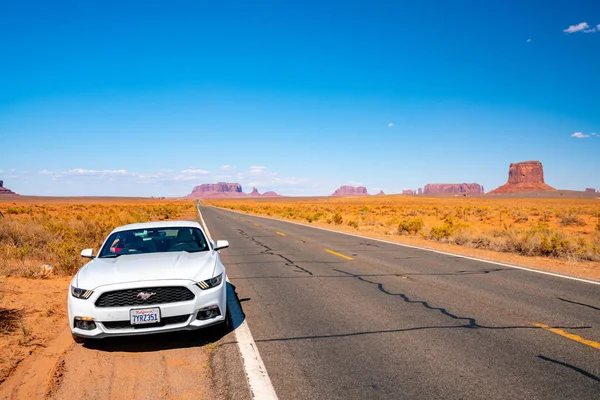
(400, 323)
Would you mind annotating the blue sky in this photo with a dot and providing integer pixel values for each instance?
(151, 98)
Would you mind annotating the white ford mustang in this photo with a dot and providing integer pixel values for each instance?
(149, 278)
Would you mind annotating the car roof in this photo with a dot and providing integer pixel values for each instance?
(159, 224)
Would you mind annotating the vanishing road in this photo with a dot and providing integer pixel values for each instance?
(341, 317)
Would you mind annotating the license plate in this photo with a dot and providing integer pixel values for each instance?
(144, 316)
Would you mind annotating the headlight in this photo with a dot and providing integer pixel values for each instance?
(210, 283)
(81, 293)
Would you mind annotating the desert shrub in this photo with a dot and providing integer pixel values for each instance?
(443, 232)
(571, 219)
(353, 224)
(337, 219)
(410, 225)
(555, 245)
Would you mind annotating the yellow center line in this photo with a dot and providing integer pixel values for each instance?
(571, 336)
(339, 254)
(282, 234)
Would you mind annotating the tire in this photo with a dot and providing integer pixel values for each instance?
(79, 339)
(223, 328)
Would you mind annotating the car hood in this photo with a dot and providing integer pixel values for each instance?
(146, 267)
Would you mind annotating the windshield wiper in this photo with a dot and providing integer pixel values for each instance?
(114, 255)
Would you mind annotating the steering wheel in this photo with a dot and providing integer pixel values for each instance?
(180, 244)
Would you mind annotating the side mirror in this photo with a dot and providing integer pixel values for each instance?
(88, 253)
(221, 244)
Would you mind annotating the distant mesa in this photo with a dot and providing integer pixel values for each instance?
(224, 190)
(270, 194)
(380, 193)
(420, 191)
(408, 191)
(4, 190)
(453, 188)
(523, 177)
(255, 193)
(590, 190)
(350, 191)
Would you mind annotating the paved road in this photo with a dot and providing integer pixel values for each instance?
(373, 320)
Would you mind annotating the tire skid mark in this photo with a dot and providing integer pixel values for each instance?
(268, 250)
(56, 379)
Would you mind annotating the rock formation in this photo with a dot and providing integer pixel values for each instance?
(527, 176)
(225, 190)
(449, 188)
(350, 191)
(408, 191)
(380, 193)
(270, 194)
(4, 190)
(586, 189)
(420, 191)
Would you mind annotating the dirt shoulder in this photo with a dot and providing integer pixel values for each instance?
(40, 360)
(32, 312)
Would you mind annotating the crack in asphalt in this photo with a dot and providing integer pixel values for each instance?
(471, 322)
(270, 251)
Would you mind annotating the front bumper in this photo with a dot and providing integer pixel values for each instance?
(173, 315)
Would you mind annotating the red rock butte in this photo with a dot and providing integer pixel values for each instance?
(453, 188)
(590, 190)
(4, 190)
(523, 177)
(224, 190)
(350, 191)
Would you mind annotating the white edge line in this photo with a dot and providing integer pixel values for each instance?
(420, 248)
(256, 372)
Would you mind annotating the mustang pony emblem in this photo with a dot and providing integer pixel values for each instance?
(145, 295)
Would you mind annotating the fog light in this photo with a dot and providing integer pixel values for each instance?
(85, 323)
(208, 312)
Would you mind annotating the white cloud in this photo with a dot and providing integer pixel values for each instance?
(87, 172)
(172, 182)
(191, 174)
(594, 134)
(582, 26)
(226, 167)
(529, 40)
(391, 124)
(593, 30)
(580, 135)
(257, 169)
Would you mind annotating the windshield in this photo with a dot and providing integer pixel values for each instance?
(154, 240)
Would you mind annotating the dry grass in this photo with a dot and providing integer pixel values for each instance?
(566, 229)
(36, 231)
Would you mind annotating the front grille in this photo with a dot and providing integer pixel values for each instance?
(179, 319)
(129, 297)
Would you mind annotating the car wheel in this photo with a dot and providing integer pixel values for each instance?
(224, 327)
(79, 339)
